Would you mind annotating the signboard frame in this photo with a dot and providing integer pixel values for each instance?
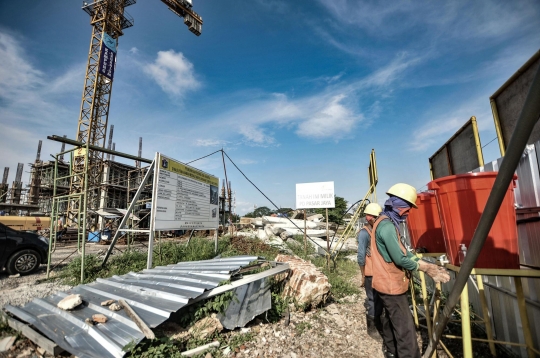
(444, 156)
(185, 176)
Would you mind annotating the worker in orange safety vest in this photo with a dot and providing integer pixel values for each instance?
(392, 264)
(373, 313)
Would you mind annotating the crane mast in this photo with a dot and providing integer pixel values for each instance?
(108, 19)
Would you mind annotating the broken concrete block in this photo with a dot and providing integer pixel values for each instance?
(99, 318)
(206, 327)
(6, 343)
(115, 307)
(70, 302)
(107, 303)
(305, 284)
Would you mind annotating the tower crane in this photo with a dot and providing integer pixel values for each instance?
(109, 20)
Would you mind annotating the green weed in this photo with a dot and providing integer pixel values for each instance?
(302, 327)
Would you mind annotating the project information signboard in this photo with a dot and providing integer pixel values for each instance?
(184, 197)
(315, 195)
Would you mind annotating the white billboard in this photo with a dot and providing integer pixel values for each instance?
(184, 197)
(315, 195)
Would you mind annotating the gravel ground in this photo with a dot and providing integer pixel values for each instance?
(18, 291)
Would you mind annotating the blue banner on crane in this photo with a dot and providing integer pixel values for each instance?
(107, 61)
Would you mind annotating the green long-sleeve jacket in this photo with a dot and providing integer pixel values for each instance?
(388, 245)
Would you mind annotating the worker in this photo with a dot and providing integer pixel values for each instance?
(59, 228)
(373, 315)
(392, 265)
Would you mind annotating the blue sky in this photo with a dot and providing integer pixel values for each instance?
(294, 91)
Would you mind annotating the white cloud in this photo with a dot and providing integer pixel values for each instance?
(16, 73)
(436, 130)
(134, 50)
(173, 73)
(335, 120)
(210, 143)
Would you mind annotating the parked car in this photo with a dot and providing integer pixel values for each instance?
(21, 252)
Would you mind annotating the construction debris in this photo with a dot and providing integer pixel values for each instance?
(6, 343)
(206, 327)
(306, 285)
(199, 350)
(148, 333)
(70, 302)
(99, 318)
(115, 307)
(107, 303)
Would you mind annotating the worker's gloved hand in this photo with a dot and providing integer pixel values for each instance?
(437, 273)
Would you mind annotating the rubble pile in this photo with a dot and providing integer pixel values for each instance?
(275, 230)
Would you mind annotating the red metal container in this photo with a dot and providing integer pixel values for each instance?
(425, 226)
(461, 200)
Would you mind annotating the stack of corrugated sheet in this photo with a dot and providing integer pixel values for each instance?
(153, 294)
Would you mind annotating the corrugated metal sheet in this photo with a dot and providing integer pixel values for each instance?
(251, 300)
(153, 294)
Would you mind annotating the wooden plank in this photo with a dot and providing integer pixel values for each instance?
(138, 321)
(40, 340)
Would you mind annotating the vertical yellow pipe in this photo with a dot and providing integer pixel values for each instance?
(477, 141)
(495, 112)
(466, 323)
(524, 318)
(485, 313)
(425, 300)
(413, 299)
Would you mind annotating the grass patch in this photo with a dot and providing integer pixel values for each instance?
(340, 276)
(168, 253)
(302, 327)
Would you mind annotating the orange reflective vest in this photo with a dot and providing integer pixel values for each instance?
(387, 277)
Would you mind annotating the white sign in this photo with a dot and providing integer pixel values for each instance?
(315, 195)
(184, 197)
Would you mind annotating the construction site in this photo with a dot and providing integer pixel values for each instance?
(153, 259)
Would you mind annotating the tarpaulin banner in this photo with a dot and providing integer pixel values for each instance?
(107, 61)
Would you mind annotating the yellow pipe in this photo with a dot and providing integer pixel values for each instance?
(430, 170)
(524, 318)
(413, 299)
(426, 302)
(500, 272)
(466, 323)
(485, 312)
(477, 141)
(446, 349)
(497, 126)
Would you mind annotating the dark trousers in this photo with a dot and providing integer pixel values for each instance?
(374, 306)
(398, 331)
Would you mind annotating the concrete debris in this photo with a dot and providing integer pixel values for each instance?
(115, 307)
(99, 318)
(6, 343)
(69, 302)
(315, 218)
(305, 284)
(200, 350)
(300, 223)
(107, 303)
(89, 321)
(206, 327)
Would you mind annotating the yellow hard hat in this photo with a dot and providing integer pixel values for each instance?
(405, 192)
(373, 209)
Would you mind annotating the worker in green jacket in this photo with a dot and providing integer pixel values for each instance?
(392, 264)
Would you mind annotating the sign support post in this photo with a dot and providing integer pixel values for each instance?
(327, 242)
(305, 233)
